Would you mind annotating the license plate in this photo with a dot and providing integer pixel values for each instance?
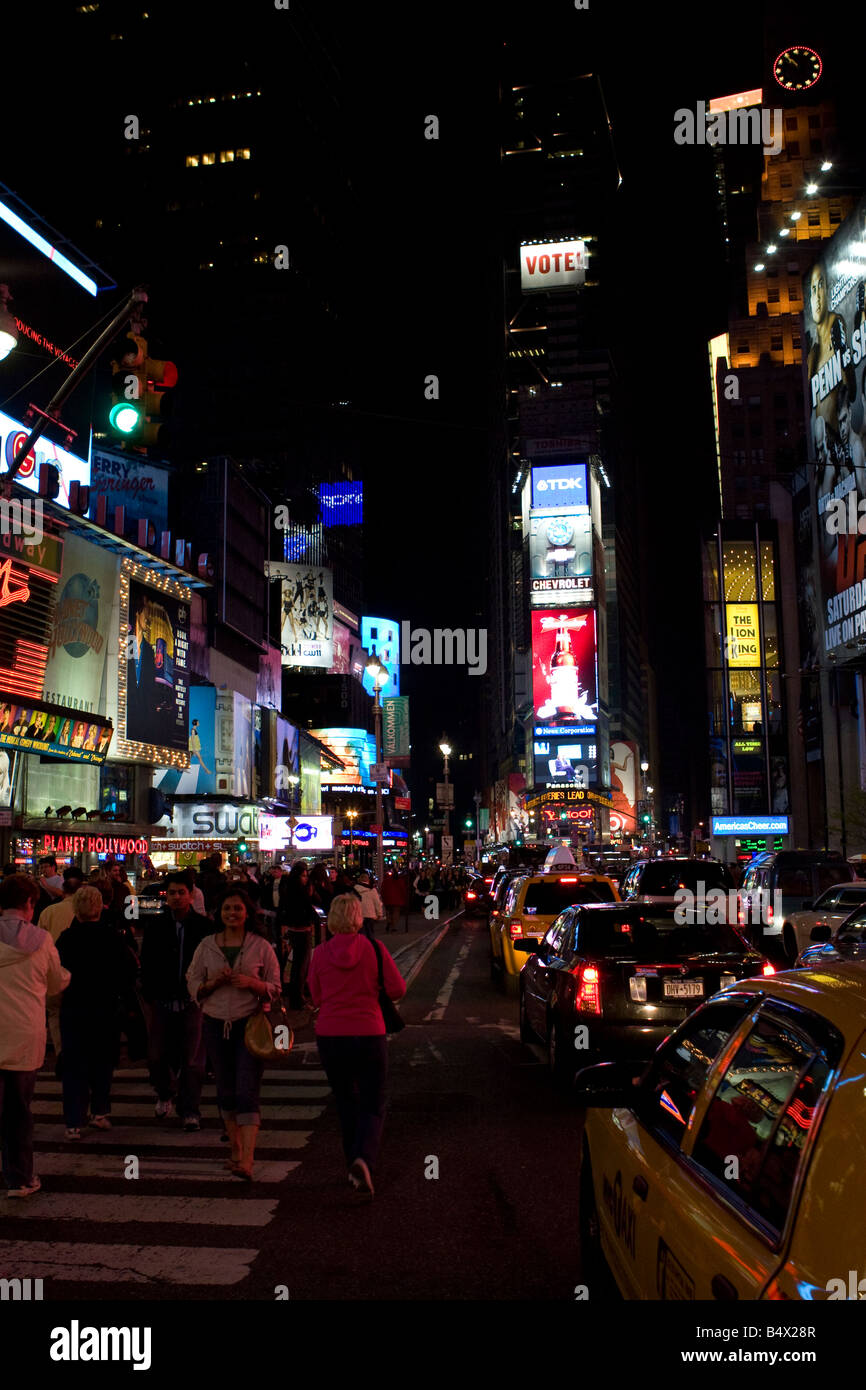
(683, 989)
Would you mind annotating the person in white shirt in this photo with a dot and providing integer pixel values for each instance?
(371, 904)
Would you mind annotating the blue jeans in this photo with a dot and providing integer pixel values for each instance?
(16, 1126)
(90, 1044)
(238, 1073)
(357, 1069)
(176, 1056)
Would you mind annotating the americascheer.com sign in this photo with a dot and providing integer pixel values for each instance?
(558, 486)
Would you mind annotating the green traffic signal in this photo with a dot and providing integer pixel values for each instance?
(125, 417)
(242, 846)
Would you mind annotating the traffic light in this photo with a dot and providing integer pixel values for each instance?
(242, 847)
(646, 819)
(141, 391)
(128, 386)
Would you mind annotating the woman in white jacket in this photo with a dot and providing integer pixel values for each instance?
(231, 973)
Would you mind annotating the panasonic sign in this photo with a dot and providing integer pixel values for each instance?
(559, 486)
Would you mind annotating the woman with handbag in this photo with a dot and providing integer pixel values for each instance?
(103, 968)
(232, 973)
(352, 981)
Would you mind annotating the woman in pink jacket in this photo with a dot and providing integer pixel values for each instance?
(350, 1032)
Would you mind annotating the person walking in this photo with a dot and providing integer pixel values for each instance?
(55, 919)
(30, 973)
(233, 971)
(211, 880)
(395, 896)
(371, 904)
(297, 920)
(175, 1049)
(350, 1032)
(103, 968)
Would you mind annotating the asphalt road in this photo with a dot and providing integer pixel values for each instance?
(476, 1189)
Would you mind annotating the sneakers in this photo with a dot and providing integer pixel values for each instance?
(29, 1191)
(359, 1177)
(164, 1109)
(100, 1122)
(73, 1134)
(191, 1124)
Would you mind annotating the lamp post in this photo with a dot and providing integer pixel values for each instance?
(477, 799)
(293, 780)
(380, 677)
(352, 818)
(445, 750)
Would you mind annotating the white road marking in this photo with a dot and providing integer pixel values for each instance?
(136, 1139)
(274, 1090)
(130, 1207)
(125, 1264)
(80, 1164)
(443, 998)
(143, 1109)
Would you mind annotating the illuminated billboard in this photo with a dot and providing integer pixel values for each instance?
(552, 265)
(308, 833)
(39, 727)
(624, 765)
(834, 341)
(83, 633)
(380, 637)
(560, 486)
(564, 675)
(307, 627)
(356, 750)
(742, 647)
(342, 504)
(560, 558)
(565, 761)
(153, 682)
(28, 582)
(70, 468)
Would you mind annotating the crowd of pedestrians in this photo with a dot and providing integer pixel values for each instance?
(78, 961)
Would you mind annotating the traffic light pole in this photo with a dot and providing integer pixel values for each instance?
(52, 412)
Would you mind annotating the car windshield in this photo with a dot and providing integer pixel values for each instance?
(841, 897)
(855, 920)
(547, 899)
(665, 879)
(654, 939)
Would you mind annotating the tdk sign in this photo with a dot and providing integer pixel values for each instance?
(559, 485)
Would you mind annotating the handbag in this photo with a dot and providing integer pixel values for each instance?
(390, 1012)
(259, 1033)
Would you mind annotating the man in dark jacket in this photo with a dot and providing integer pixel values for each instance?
(175, 1045)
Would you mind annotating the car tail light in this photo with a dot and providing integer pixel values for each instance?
(569, 880)
(470, 894)
(768, 969)
(515, 928)
(488, 881)
(588, 998)
(769, 918)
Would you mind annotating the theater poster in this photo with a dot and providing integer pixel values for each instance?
(154, 679)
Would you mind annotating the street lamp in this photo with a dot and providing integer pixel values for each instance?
(445, 750)
(379, 676)
(352, 818)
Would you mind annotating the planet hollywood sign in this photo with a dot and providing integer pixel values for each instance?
(92, 844)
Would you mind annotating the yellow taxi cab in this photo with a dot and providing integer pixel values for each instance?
(532, 904)
(731, 1167)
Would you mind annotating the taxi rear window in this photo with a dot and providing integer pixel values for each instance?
(664, 880)
(548, 899)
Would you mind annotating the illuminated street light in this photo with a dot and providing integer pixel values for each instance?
(795, 216)
(826, 166)
(811, 188)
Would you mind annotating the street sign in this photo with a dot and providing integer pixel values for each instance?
(445, 795)
(402, 803)
(380, 772)
(447, 848)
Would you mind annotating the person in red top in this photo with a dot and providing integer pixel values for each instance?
(395, 895)
(350, 1032)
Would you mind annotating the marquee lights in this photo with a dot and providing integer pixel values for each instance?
(127, 748)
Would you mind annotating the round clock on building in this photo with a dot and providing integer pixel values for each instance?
(559, 532)
(797, 68)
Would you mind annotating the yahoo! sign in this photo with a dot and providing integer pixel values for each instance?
(559, 485)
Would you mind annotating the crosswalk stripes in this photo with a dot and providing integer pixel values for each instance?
(175, 1227)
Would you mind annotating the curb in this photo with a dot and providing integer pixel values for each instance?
(425, 956)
